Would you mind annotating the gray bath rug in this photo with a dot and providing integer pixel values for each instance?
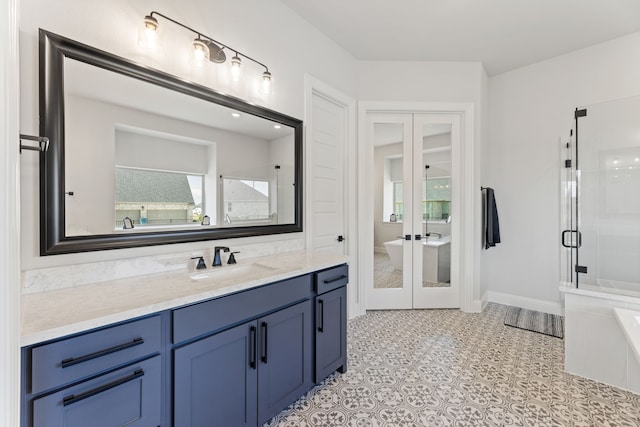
(535, 321)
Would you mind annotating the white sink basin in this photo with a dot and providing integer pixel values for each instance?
(239, 272)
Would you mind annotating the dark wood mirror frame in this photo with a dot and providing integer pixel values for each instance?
(53, 50)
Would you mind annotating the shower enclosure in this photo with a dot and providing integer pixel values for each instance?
(601, 198)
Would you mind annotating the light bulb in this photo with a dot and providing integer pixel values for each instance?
(236, 65)
(149, 33)
(200, 52)
(266, 82)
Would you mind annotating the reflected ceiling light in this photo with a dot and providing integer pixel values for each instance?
(277, 126)
(236, 115)
(637, 159)
(204, 47)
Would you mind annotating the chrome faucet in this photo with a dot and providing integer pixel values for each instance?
(216, 255)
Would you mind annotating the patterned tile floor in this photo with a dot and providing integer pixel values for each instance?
(449, 368)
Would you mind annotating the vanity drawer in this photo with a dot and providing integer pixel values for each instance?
(217, 314)
(130, 396)
(332, 278)
(73, 359)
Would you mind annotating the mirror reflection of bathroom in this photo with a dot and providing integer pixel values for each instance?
(390, 197)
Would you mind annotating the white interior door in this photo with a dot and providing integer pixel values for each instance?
(414, 202)
(436, 139)
(325, 160)
(391, 137)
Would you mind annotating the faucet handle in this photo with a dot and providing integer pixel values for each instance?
(201, 263)
(232, 258)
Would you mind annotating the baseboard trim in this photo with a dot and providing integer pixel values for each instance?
(524, 302)
(478, 305)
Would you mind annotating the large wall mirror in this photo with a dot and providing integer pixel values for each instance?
(138, 157)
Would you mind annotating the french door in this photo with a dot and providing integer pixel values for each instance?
(414, 202)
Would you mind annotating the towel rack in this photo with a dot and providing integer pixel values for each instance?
(43, 143)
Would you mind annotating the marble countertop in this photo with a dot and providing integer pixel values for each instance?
(54, 314)
(629, 320)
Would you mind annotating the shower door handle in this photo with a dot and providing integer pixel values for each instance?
(571, 245)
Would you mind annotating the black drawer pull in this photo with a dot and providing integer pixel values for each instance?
(76, 398)
(264, 342)
(335, 279)
(252, 347)
(75, 360)
(321, 315)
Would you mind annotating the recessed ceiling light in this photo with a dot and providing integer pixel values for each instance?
(236, 115)
(277, 126)
(615, 162)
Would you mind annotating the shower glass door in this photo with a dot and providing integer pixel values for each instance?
(606, 208)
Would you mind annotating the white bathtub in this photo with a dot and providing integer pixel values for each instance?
(436, 258)
(596, 345)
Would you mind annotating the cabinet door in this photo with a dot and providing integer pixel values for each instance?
(130, 396)
(331, 333)
(215, 380)
(284, 349)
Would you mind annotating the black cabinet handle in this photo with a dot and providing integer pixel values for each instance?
(75, 360)
(335, 279)
(321, 315)
(263, 356)
(252, 347)
(76, 398)
(418, 236)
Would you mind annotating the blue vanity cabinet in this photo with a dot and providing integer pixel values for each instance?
(129, 396)
(331, 321)
(242, 358)
(215, 380)
(107, 377)
(284, 358)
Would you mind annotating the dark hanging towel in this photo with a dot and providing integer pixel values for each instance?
(491, 226)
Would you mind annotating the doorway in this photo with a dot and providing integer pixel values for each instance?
(413, 210)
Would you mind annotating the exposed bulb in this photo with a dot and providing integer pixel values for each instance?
(266, 82)
(149, 34)
(200, 52)
(236, 65)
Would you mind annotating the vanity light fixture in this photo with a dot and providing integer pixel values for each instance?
(200, 52)
(204, 47)
(236, 67)
(266, 82)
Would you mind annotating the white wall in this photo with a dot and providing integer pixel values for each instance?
(9, 218)
(268, 31)
(530, 109)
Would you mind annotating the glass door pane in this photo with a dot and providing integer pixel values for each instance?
(434, 185)
(392, 201)
(608, 197)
